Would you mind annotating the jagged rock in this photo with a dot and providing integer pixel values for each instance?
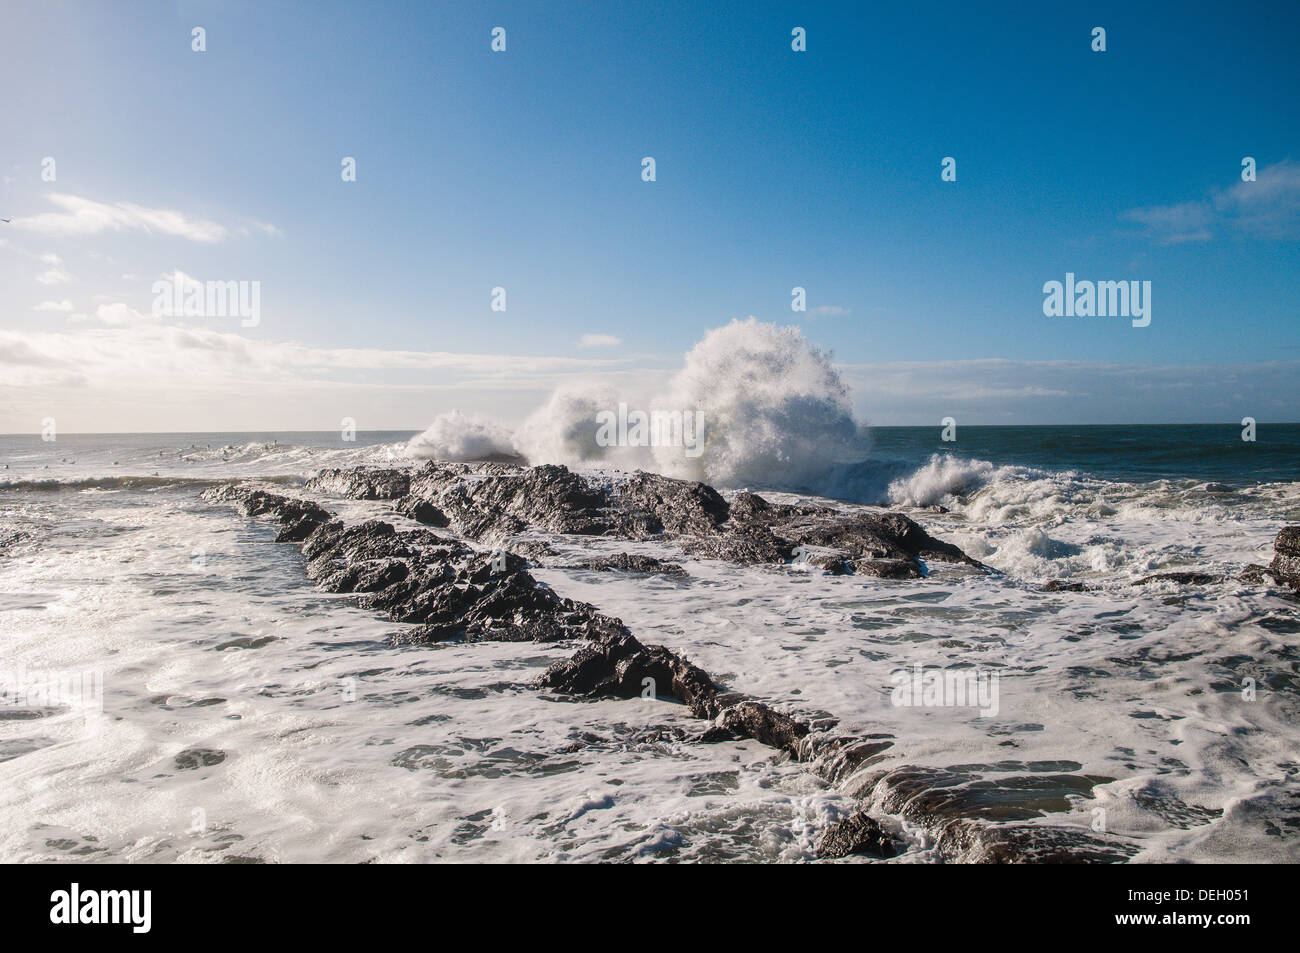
(618, 666)
(766, 725)
(298, 518)
(362, 483)
(756, 545)
(494, 503)
(680, 506)
(1285, 567)
(551, 498)
(857, 834)
(872, 536)
(422, 511)
(630, 562)
(1253, 573)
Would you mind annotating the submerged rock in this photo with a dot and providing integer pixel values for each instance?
(1182, 578)
(857, 834)
(1060, 585)
(630, 562)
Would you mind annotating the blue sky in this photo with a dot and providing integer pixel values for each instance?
(521, 169)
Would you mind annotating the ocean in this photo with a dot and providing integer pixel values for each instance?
(222, 708)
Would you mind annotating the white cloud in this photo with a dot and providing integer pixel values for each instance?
(598, 340)
(54, 274)
(1268, 208)
(83, 216)
(124, 371)
(62, 307)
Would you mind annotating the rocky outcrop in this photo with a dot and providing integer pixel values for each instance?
(422, 511)
(1285, 567)
(679, 506)
(618, 666)
(493, 503)
(445, 589)
(298, 518)
(362, 483)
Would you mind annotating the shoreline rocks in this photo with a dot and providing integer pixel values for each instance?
(450, 590)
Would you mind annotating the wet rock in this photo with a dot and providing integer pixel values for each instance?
(619, 666)
(1060, 585)
(362, 483)
(494, 503)
(888, 568)
(501, 503)
(298, 518)
(764, 724)
(680, 506)
(10, 538)
(872, 536)
(753, 546)
(1253, 574)
(422, 511)
(1285, 567)
(193, 758)
(857, 834)
(630, 562)
(1182, 578)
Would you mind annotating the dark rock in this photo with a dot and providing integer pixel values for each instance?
(504, 503)
(871, 536)
(422, 511)
(1253, 574)
(1182, 578)
(193, 758)
(494, 503)
(680, 506)
(1060, 585)
(618, 665)
(766, 725)
(298, 518)
(1285, 567)
(362, 483)
(857, 834)
(888, 568)
(630, 562)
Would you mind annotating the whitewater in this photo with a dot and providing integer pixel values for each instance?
(246, 716)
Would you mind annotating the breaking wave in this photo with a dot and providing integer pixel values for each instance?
(776, 414)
